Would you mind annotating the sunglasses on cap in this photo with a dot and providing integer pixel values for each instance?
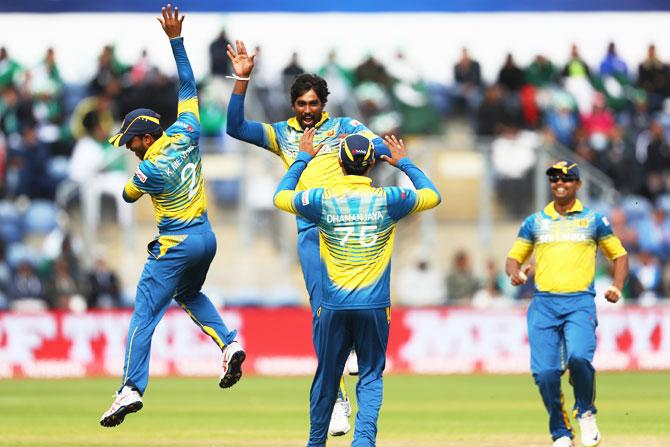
(553, 178)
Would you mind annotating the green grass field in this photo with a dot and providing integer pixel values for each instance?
(420, 411)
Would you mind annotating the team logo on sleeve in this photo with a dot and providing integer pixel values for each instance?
(305, 198)
(183, 125)
(403, 195)
(355, 123)
(140, 175)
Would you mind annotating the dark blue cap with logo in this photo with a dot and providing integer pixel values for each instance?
(357, 150)
(138, 122)
(566, 167)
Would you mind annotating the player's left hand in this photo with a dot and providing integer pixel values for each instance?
(171, 23)
(307, 142)
(613, 294)
(397, 148)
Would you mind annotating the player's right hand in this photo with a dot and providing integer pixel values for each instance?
(171, 23)
(397, 148)
(243, 63)
(307, 142)
(520, 276)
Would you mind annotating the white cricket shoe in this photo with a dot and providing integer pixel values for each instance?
(352, 363)
(339, 420)
(589, 430)
(563, 441)
(127, 401)
(233, 356)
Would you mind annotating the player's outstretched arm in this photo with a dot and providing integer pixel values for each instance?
(243, 65)
(427, 196)
(172, 22)
(238, 127)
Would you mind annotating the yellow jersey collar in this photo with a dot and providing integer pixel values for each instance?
(354, 180)
(550, 211)
(294, 124)
(154, 148)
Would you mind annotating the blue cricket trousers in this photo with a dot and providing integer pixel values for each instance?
(176, 268)
(368, 331)
(562, 334)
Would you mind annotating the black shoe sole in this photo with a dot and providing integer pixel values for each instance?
(119, 415)
(234, 372)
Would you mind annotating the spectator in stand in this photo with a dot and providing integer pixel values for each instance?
(646, 278)
(653, 153)
(612, 64)
(513, 156)
(467, 81)
(493, 114)
(104, 291)
(291, 71)
(27, 292)
(339, 80)
(626, 233)
(109, 70)
(28, 167)
(599, 124)
(461, 282)
(98, 169)
(15, 113)
(653, 77)
(421, 284)
(619, 163)
(577, 81)
(561, 118)
(541, 72)
(371, 70)
(490, 295)
(511, 76)
(654, 235)
(46, 88)
(10, 70)
(576, 67)
(63, 288)
(141, 68)
(218, 56)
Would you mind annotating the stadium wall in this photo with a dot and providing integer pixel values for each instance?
(278, 341)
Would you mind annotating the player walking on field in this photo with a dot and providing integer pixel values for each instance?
(309, 94)
(356, 224)
(179, 258)
(562, 316)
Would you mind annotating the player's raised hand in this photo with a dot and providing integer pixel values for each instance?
(243, 63)
(171, 22)
(520, 276)
(307, 142)
(397, 148)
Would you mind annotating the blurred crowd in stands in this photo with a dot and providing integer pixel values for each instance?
(53, 148)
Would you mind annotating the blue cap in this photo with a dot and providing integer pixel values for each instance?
(565, 167)
(356, 150)
(137, 122)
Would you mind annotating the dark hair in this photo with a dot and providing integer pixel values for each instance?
(354, 169)
(157, 133)
(306, 82)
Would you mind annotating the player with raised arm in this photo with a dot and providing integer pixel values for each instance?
(309, 94)
(356, 224)
(179, 258)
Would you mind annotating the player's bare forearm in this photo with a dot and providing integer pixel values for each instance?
(512, 266)
(240, 87)
(620, 273)
(513, 270)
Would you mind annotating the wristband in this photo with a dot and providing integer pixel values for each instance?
(238, 78)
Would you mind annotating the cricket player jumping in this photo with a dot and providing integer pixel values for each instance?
(179, 258)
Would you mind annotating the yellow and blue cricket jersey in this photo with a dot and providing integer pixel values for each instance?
(283, 139)
(565, 247)
(171, 172)
(356, 229)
